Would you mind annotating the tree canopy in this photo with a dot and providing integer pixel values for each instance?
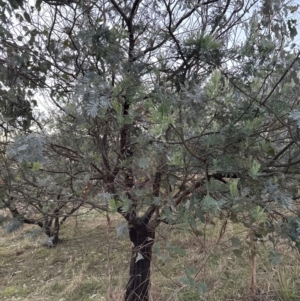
(162, 111)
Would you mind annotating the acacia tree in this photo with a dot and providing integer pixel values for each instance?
(175, 108)
(36, 186)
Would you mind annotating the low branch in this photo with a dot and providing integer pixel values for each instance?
(16, 214)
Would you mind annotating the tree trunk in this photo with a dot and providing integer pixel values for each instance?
(56, 240)
(137, 288)
(253, 286)
(52, 231)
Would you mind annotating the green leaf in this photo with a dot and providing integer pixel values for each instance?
(43, 67)
(216, 77)
(38, 4)
(292, 28)
(233, 187)
(177, 250)
(190, 271)
(122, 230)
(14, 4)
(112, 205)
(238, 253)
(143, 162)
(235, 241)
(20, 2)
(156, 249)
(36, 166)
(295, 77)
(254, 169)
(275, 257)
(234, 218)
(266, 146)
(126, 204)
(139, 257)
(27, 17)
(257, 214)
(209, 204)
(201, 288)
(188, 279)
(297, 245)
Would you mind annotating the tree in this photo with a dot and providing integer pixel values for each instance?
(174, 108)
(37, 186)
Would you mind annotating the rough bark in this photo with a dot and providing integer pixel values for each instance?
(51, 229)
(138, 286)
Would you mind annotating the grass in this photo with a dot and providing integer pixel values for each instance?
(92, 263)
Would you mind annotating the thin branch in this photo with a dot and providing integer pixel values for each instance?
(281, 79)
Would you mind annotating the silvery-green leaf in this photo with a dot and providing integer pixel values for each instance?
(139, 257)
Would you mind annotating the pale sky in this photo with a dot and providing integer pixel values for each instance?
(45, 105)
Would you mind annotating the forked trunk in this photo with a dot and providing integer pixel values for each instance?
(138, 286)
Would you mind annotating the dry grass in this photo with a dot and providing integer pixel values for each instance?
(92, 264)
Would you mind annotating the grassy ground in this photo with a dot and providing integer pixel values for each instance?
(92, 263)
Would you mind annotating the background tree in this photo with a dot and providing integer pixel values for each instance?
(174, 108)
(39, 187)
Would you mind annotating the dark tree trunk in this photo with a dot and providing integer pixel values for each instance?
(52, 231)
(137, 288)
(56, 240)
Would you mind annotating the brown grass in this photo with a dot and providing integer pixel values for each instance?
(92, 264)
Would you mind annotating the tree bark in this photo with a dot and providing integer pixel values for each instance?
(52, 231)
(137, 288)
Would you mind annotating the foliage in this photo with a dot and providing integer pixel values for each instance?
(171, 112)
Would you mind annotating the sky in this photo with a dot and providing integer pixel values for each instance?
(44, 105)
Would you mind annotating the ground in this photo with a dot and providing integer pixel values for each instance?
(92, 263)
